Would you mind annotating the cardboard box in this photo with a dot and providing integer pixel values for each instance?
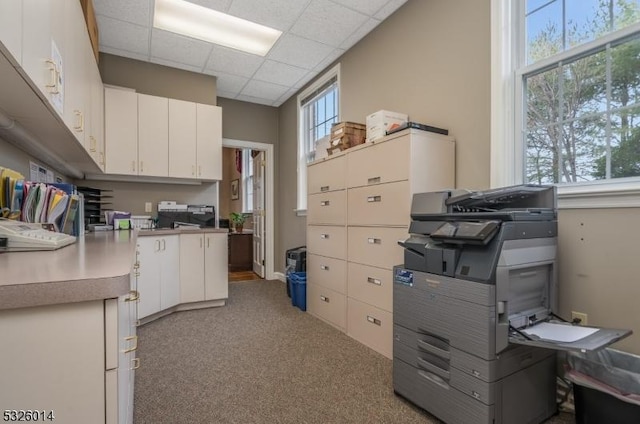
(379, 122)
(342, 128)
(92, 25)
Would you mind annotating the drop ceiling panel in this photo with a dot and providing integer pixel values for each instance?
(298, 51)
(172, 64)
(279, 73)
(388, 9)
(360, 33)
(367, 7)
(263, 90)
(123, 35)
(328, 22)
(230, 83)
(169, 46)
(219, 5)
(276, 14)
(135, 12)
(328, 60)
(232, 61)
(125, 53)
(258, 100)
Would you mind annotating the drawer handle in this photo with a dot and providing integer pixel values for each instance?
(433, 378)
(372, 199)
(133, 296)
(136, 363)
(373, 180)
(324, 298)
(135, 343)
(372, 240)
(373, 320)
(324, 236)
(324, 203)
(324, 188)
(324, 267)
(374, 281)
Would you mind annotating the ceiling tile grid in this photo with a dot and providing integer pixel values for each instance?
(315, 33)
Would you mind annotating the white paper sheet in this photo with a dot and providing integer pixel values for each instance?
(559, 332)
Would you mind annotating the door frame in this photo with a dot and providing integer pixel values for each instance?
(269, 242)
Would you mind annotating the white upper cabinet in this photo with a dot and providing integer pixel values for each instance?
(182, 139)
(153, 135)
(121, 131)
(209, 142)
(43, 48)
(77, 88)
(96, 134)
(11, 27)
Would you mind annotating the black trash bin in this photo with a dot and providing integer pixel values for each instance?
(296, 261)
(606, 386)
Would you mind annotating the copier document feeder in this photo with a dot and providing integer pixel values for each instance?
(475, 330)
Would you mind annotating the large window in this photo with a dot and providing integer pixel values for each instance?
(247, 181)
(572, 68)
(581, 90)
(317, 111)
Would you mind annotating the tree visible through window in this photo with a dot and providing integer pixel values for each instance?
(582, 111)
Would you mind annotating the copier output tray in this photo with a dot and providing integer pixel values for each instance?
(566, 336)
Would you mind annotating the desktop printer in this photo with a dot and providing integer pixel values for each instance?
(172, 215)
(475, 333)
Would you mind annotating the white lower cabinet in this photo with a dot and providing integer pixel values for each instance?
(203, 267)
(159, 273)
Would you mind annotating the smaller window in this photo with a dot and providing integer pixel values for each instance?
(247, 181)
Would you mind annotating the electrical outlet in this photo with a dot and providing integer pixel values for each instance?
(147, 207)
(579, 316)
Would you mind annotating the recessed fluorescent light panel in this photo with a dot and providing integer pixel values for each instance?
(199, 22)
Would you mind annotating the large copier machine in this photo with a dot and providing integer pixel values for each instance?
(475, 335)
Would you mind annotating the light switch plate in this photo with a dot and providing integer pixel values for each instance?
(147, 207)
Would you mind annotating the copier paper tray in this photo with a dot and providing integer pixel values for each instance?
(565, 336)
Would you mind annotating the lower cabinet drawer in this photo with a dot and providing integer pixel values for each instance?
(370, 326)
(327, 305)
(376, 246)
(371, 285)
(327, 240)
(327, 272)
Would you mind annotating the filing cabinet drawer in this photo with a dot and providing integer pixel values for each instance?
(327, 240)
(370, 326)
(327, 272)
(381, 163)
(327, 305)
(382, 204)
(326, 175)
(376, 246)
(327, 208)
(371, 285)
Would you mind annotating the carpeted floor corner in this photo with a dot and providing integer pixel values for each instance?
(260, 360)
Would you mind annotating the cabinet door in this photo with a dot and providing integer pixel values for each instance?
(216, 278)
(170, 271)
(125, 343)
(182, 139)
(11, 27)
(121, 131)
(209, 142)
(76, 84)
(43, 48)
(191, 267)
(153, 135)
(149, 279)
(96, 135)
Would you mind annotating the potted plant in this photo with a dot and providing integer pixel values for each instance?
(238, 220)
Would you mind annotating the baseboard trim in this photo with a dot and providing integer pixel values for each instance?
(280, 276)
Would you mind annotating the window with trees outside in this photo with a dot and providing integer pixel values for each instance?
(317, 111)
(579, 75)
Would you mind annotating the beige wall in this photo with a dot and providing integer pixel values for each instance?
(249, 121)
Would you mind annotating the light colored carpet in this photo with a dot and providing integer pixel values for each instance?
(260, 360)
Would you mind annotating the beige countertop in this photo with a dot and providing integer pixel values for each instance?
(171, 231)
(97, 266)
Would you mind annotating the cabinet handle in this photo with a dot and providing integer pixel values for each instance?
(372, 199)
(92, 144)
(102, 158)
(372, 240)
(53, 77)
(133, 296)
(136, 265)
(200, 239)
(374, 281)
(324, 236)
(164, 244)
(79, 126)
(133, 165)
(324, 203)
(208, 240)
(156, 243)
(324, 188)
(373, 180)
(135, 343)
(324, 267)
(193, 170)
(324, 299)
(141, 166)
(373, 320)
(200, 170)
(136, 363)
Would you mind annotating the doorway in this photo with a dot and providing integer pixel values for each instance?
(262, 219)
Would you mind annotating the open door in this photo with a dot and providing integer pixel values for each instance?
(258, 214)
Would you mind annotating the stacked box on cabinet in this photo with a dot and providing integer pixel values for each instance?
(345, 135)
(378, 123)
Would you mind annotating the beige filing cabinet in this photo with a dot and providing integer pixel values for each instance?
(353, 226)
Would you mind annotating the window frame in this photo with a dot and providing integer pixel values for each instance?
(247, 174)
(301, 170)
(507, 112)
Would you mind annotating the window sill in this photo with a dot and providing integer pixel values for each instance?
(600, 194)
